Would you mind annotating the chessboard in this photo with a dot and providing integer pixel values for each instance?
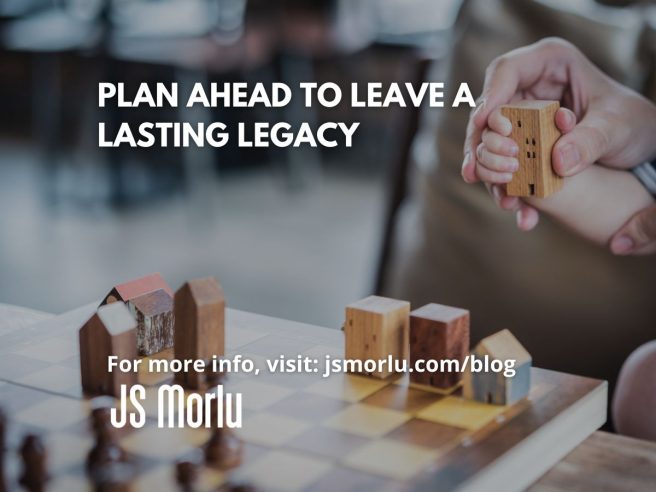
(301, 432)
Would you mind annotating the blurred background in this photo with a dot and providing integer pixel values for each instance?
(290, 233)
(300, 233)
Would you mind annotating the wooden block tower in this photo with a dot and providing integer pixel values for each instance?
(110, 331)
(375, 328)
(199, 326)
(438, 332)
(535, 132)
(495, 387)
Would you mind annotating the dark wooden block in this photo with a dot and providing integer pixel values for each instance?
(438, 332)
(199, 326)
(134, 288)
(110, 331)
(155, 321)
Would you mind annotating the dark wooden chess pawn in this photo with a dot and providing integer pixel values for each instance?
(34, 456)
(186, 475)
(106, 449)
(224, 449)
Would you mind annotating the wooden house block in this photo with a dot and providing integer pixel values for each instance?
(110, 331)
(135, 288)
(535, 132)
(199, 326)
(155, 322)
(438, 332)
(375, 328)
(495, 387)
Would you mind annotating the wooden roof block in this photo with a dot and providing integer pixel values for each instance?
(203, 291)
(439, 312)
(503, 345)
(116, 318)
(138, 287)
(153, 303)
(377, 304)
(535, 104)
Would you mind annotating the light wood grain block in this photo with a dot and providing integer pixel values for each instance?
(535, 132)
(375, 328)
(459, 412)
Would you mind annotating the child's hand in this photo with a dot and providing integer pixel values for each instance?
(496, 161)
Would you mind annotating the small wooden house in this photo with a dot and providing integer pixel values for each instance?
(134, 288)
(155, 322)
(495, 387)
(199, 325)
(110, 331)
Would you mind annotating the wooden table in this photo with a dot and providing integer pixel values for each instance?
(604, 461)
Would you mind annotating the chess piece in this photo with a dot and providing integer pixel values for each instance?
(224, 449)
(535, 132)
(34, 475)
(499, 388)
(377, 328)
(106, 449)
(438, 332)
(186, 474)
(199, 326)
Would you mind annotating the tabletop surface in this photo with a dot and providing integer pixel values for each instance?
(604, 461)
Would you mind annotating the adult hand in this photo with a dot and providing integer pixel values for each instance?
(638, 236)
(615, 124)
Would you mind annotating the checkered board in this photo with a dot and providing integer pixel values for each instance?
(301, 431)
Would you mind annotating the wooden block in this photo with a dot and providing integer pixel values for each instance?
(438, 332)
(110, 331)
(375, 328)
(135, 288)
(495, 387)
(199, 325)
(155, 322)
(535, 131)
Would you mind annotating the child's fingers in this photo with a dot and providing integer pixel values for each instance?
(527, 217)
(565, 120)
(499, 123)
(499, 144)
(502, 199)
(494, 162)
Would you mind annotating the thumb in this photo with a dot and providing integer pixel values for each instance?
(582, 146)
(638, 235)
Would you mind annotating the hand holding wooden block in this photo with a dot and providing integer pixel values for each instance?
(535, 132)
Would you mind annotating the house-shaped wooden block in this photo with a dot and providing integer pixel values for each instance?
(138, 287)
(376, 328)
(535, 132)
(199, 325)
(495, 387)
(155, 321)
(110, 331)
(438, 332)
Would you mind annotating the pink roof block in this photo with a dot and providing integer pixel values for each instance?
(144, 285)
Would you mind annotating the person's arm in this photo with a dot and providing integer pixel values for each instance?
(597, 202)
